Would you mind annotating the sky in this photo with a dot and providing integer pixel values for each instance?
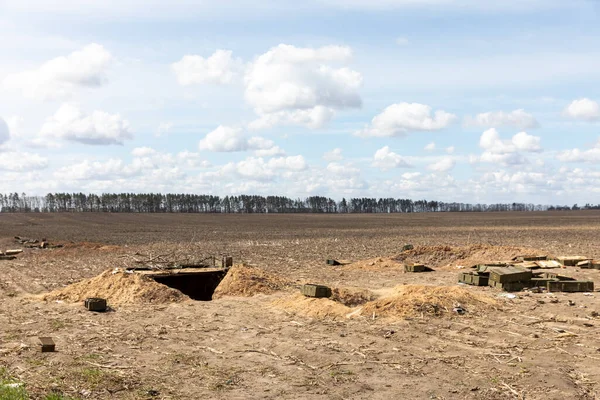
(452, 100)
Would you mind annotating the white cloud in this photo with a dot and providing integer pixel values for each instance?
(443, 165)
(490, 141)
(525, 142)
(312, 118)
(61, 76)
(584, 109)
(98, 128)
(402, 41)
(22, 162)
(333, 155)
(591, 155)
(220, 68)
(97, 170)
(430, 146)
(505, 152)
(386, 159)
(293, 85)
(496, 119)
(4, 132)
(402, 118)
(256, 168)
(450, 149)
(230, 139)
(342, 169)
(143, 152)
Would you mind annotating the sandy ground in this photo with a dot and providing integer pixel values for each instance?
(534, 346)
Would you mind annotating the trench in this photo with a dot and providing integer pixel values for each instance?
(196, 285)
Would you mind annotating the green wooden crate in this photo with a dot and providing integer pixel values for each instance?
(510, 274)
(570, 286)
(508, 286)
(415, 268)
(466, 277)
(571, 261)
(312, 290)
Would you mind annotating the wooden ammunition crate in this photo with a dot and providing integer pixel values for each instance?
(47, 344)
(509, 274)
(95, 304)
(466, 277)
(415, 268)
(571, 261)
(570, 286)
(508, 286)
(311, 290)
(541, 282)
(481, 279)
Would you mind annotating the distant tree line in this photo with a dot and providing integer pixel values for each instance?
(193, 203)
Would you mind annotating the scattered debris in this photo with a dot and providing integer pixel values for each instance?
(459, 309)
(312, 290)
(407, 247)
(95, 304)
(47, 344)
(36, 244)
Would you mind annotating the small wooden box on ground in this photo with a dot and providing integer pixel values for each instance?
(509, 274)
(415, 268)
(95, 304)
(47, 344)
(570, 286)
(571, 261)
(473, 278)
(311, 290)
(589, 264)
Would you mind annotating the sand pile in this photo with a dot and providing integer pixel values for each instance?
(403, 302)
(118, 287)
(352, 297)
(441, 256)
(312, 307)
(416, 300)
(243, 280)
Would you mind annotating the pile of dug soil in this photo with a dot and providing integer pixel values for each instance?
(246, 281)
(415, 300)
(320, 308)
(118, 287)
(441, 256)
(352, 297)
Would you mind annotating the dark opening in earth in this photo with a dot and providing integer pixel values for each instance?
(197, 285)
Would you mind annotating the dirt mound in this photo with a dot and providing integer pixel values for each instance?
(413, 300)
(375, 264)
(118, 287)
(352, 297)
(320, 308)
(243, 280)
(442, 256)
